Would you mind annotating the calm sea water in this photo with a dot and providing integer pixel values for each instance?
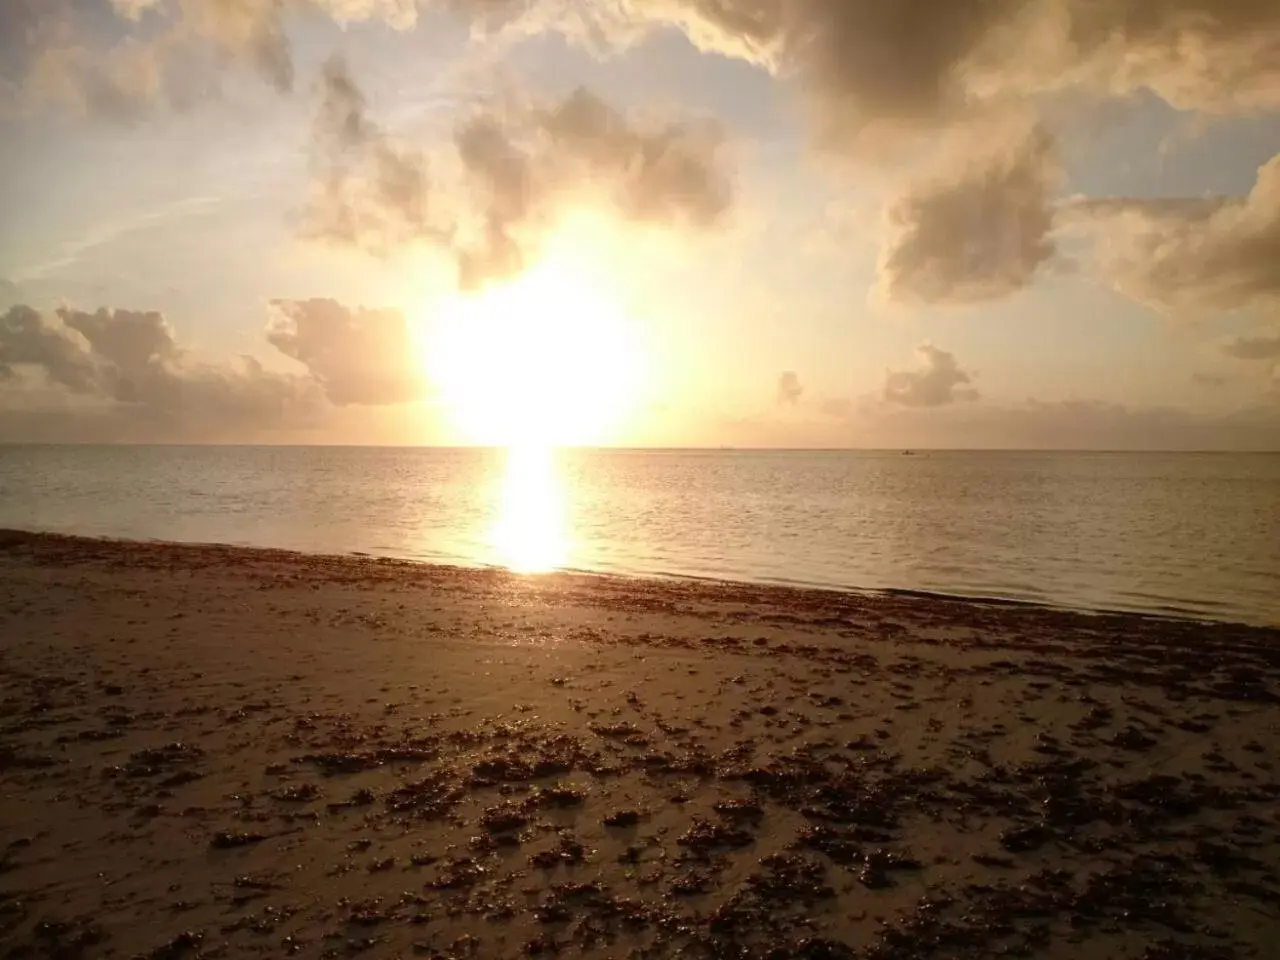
(1193, 534)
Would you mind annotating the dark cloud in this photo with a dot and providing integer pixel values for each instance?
(979, 231)
(938, 382)
(134, 351)
(129, 364)
(358, 356)
(1265, 346)
(1195, 255)
(790, 389)
(32, 339)
(131, 340)
(869, 66)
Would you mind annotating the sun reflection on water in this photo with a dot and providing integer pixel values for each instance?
(530, 535)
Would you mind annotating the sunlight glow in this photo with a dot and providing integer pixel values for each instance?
(549, 358)
(530, 535)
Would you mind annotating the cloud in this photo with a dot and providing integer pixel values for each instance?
(866, 66)
(253, 29)
(250, 29)
(502, 175)
(1265, 346)
(119, 84)
(939, 382)
(1193, 255)
(1076, 424)
(31, 339)
(174, 52)
(978, 231)
(526, 163)
(368, 191)
(1215, 56)
(663, 171)
(132, 349)
(870, 68)
(133, 9)
(125, 373)
(520, 167)
(130, 366)
(1073, 424)
(790, 390)
(359, 356)
(1259, 348)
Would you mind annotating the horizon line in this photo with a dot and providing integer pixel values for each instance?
(607, 448)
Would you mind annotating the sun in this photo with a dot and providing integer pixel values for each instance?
(547, 359)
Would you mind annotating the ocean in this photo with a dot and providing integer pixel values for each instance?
(1175, 534)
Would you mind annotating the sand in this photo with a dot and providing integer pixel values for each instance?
(219, 752)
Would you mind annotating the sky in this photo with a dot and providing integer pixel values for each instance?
(790, 223)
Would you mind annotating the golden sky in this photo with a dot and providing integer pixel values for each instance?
(1030, 223)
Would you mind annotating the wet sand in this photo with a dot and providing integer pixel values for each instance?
(219, 752)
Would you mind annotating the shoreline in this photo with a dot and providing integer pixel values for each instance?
(18, 535)
(220, 751)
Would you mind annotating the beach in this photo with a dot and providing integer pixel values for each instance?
(222, 752)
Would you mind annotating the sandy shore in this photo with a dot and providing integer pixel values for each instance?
(209, 751)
